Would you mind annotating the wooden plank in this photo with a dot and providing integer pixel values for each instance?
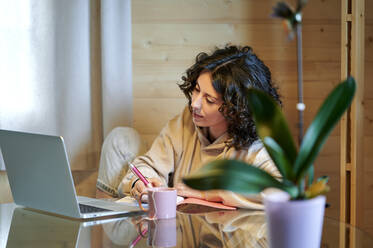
(86, 158)
(368, 154)
(269, 40)
(368, 188)
(357, 112)
(368, 94)
(283, 71)
(367, 239)
(195, 11)
(326, 164)
(85, 182)
(313, 89)
(343, 125)
(157, 89)
(369, 43)
(151, 115)
(368, 120)
(368, 12)
(369, 219)
(368, 116)
(330, 149)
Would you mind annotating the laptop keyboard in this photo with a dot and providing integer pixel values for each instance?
(85, 209)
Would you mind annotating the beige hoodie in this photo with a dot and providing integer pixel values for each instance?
(181, 148)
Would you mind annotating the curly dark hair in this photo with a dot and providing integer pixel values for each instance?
(233, 69)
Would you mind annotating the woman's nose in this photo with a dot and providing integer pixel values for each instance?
(197, 102)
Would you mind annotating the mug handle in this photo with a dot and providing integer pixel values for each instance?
(139, 201)
(143, 231)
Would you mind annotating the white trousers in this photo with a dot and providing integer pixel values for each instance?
(120, 147)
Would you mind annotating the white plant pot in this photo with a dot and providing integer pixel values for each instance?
(294, 224)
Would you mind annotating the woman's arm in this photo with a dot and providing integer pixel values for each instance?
(160, 161)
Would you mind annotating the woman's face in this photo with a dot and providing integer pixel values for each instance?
(205, 104)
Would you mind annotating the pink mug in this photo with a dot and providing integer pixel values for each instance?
(159, 232)
(161, 201)
(162, 233)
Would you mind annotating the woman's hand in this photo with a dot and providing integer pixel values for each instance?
(183, 190)
(140, 187)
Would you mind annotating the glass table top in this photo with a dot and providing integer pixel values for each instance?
(20, 227)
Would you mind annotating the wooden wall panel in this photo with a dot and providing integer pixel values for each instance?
(222, 11)
(368, 154)
(167, 35)
(368, 119)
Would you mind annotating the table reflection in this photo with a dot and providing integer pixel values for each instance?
(240, 228)
(31, 229)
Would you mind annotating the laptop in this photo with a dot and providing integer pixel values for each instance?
(40, 178)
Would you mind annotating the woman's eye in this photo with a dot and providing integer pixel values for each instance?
(209, 101)
(196, 89)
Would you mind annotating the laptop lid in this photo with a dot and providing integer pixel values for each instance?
(39, 174)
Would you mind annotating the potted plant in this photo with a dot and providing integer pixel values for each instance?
(295, 167)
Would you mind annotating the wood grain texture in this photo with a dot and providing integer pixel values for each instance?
(5, 192)
(344, 181)
(368, 119)
(85, 182)
(357, 113)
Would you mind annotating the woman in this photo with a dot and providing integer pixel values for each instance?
(216, 124)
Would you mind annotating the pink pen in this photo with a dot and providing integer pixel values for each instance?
(140, 176)
(135, 241)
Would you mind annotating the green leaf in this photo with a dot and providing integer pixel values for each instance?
(279, 158)
(310, 175)
(235, 176)
(329, 114)
(270, 121)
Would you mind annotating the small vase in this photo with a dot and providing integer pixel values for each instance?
(294, 224)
